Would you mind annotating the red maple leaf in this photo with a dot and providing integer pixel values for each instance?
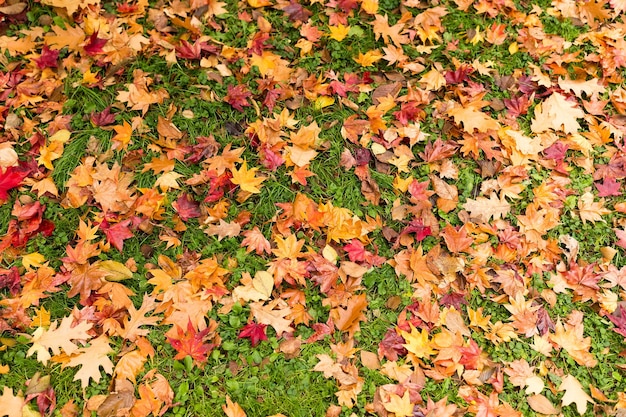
(618, 318)
(186, 207)
(191, 343)
(238, 96)
(218, 185)
(205, 147)
(188, 50)
(11, 178)
(48, 58)
(296, 12)
(117, 233)
(392, 346)
(254, 331)
(417, 226)
(270, 159)
(105, 117)
(10, 278)
(95, 44)
(610, 187)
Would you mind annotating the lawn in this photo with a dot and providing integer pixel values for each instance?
(312, 208)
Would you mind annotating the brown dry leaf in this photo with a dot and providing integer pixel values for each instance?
(541, 404)
(370, 360)
(348, 319)
(232, 409)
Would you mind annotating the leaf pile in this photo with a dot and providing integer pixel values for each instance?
(169, 168)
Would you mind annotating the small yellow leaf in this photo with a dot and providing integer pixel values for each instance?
(31, 260)
(400, 406)
(245, 178)
(323, 101)
(115, 271)
(339, 32)
(41, 318)
(122, 139)
(259, 3)
(369, 58)
(369, 6)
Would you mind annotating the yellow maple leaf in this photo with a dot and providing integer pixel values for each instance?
(417, 342)
(41, 318)
(369, 58)
(339, 32)
(122, 139)
(369, 6)
(246, 178)
(400, 406)
(70, 5)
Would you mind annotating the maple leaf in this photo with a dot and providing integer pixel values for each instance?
(256, 241)
(417, 343)
(608, 188)
(48, 58)
(90, 359)
(618, 318)
(191, 343)
(223, 229)
(70, 5)
(57, 339)
(348, 319)
(94, 44)
(246, 178)
(589, 210)
(124, 134)
(103, 118)
(483, 208)
(570, 337)
(574, 393)
(400, 406)
(296, 12)
(232, 409)
(254, 331)
(267, 314)
(117, 233)
(472, 118)
(11, 405)
(259, 288)
(186, 207)
(557, 113)
(10, 178)
(237, 96)
(137, 318)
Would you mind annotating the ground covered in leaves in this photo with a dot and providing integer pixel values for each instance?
(326, 207)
